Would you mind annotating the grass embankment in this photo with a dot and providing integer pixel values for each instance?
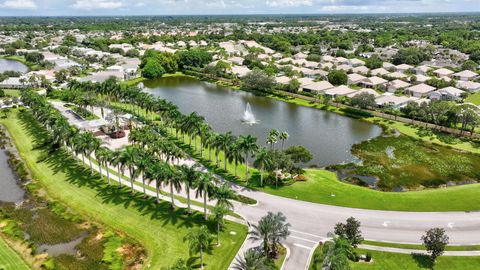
(474, 98)
(9, 259)
(324, 187)
(157, 227)
(387, 260)
(405, 162)
(419, 247)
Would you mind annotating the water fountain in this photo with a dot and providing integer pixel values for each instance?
(248, 116)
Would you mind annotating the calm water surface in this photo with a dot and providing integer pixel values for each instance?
(7, 64)
(10, 191)
(328, 135)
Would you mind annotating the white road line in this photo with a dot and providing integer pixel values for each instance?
(314, 235)
(307, 240)
(302, 246)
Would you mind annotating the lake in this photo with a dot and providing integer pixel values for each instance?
(328, 135)
(7, 64)
(10, 190)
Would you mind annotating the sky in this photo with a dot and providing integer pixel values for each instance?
(199, 7)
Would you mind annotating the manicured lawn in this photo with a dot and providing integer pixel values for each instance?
(9, 259)
(414, 246)
(159, 229)
(474, 98)
(12, 92)
(388, 260)
(406, 162)
(323, 187)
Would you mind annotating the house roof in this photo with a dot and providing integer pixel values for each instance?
(443, 72)
(398, 84)
(403, 67)
(450, 91)
(364, 90)
(466, 73)
(354, 77)
(392, 99)
(396, 74)
(361, 69)
(379, 71)
(341, 90)
(469, 85)
(374, 80)
(421, 88)
(318, 86)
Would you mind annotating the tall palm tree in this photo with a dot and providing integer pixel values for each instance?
(273, 135)
(143, 162)
(118, 162)
(248, 144)
(129, 159)
(262, 160)
(219, 212)
(225, 142)
(271, 140)
(252, 260)
(199, 240)
(223, 194)
(173, 178)
(336, 253)
(103, 155)
(204, 188)
(190, 176)
(283, 137)
(270, 230)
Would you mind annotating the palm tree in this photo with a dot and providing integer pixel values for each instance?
(129, 159)
(173, 178)
(199, 240)
(252, 260)
(248, 144)
(336, 253)
(270, 230)
(143, 162)
(117, 161)
(205, 187)
(225, 141)
(219, 212)
(273, 135)
(156, 173)
(191, 175)
(283, 137)
(103, 155)
(223, 194)
(262, 160)
(271, 140)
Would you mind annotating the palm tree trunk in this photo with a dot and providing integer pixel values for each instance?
(91, 167)
(119, 177)
(157, 191)
(201, 259)
(143, 186)
(218, 233)
(246, 166)
(100, 170)
(108, 174)
(261, 177)
(189, 211)
(205, 204)
(171, 195)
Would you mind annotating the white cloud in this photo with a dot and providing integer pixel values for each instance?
(97, 4)
(289, 3)
(19, 4)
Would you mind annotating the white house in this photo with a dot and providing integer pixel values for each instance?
(361, 69)
(465, 75)
(403, 67)
(354, 62)
(443, 72)
(317, 87)
(447, 93)
(355, 78)
(339, 91)
(469, 86)
(392, 101)
(379, 72)
(364, 90)
(396, 85)
(422, 70)
(373, 82)
(419, 90)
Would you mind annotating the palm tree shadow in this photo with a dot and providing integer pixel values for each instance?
(423, 261)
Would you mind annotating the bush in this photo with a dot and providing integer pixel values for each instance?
(368, 257)
(245, 199)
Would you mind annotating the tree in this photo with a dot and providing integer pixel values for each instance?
(293, 86)
(132, 53)
(191, 175)
(411, 56)
(153, 69)
(205, 188)
(270, 230)
(337, 77)
(219, 212)
(283, 137)
(299, 153)
(336, 254)
(248, 145)
(223, 195)
(173, 178)
(435, 240)
(470, 65)
(350, 231)
(374, 62)
(262, 160)
(252, 260)
(181, 264)
(199, 241)
(363, 100)
(258, 80)
(193, 58)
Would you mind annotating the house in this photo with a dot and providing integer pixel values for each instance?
(420, 79)
(361, 69)
(397, 75)
(396, 85)
(327, 65)
(392, 101)
(419, 90)
(379, 72)
(328, 58)
(443, 72)
(422, 70)
(339, 91)
(355, 78)
(344, 67)
(317, 87)
(240, 71)
(364, 90)
(300, 55)
(236, 60)
(469, 86)
(373, 82)
(447, 93)
(15, 83)
(403, 67)
(102, 76)
(312, 73)
(387, 65)
(356, 62)
(465, 75)
(304, 81)
(341, 60)
(282, 80)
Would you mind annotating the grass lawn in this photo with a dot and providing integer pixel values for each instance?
(9, 259)
(403, 161)
(419, 247)
(388, 260)
(474, 98)
(159, 229)
(12, 92)
(322, 184)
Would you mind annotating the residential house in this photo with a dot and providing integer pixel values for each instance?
(355, 78)
(419, 90)
(354, 62)
(403, 67)
(361, 70)
(447, 93)
(339, 91)
(373, 82)
(443, 72)
(396, 85)
(465, 75)
(379, 72)
(392, 101)
(469, 86)
(317, 87)
(422, 70)
(364, 90)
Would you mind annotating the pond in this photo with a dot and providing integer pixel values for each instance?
(328, 135)
(10, 190)
(12, 65)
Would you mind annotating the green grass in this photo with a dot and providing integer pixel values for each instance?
(474, 98)
(388, 261)
(9, 259)
(414, 163)
(156, 227)
(322, 184)
(419, 247)
(12, 92)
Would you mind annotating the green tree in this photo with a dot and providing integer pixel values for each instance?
(435, 240)
(337, 77)
(336, 254)
(350, 231)
(153, 69)
(262, 161)
(199, 241)
(251, 260)
(270, 230)
(299, 153)
(363, 100)
(374, 62)
(258, 80)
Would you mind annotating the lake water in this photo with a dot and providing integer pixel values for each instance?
(10, 191)
(7, 64)
(328, 135)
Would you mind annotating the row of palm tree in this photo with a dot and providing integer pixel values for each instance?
(150, 158)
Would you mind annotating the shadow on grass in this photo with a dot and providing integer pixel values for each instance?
(61, 161)
(423, 261)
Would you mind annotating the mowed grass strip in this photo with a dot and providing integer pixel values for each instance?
(157, 227)
(9, 259)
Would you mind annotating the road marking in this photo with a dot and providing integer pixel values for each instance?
(450, 225)
(307, 240)
(302, 246)
(314, 235)
(385, 224)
